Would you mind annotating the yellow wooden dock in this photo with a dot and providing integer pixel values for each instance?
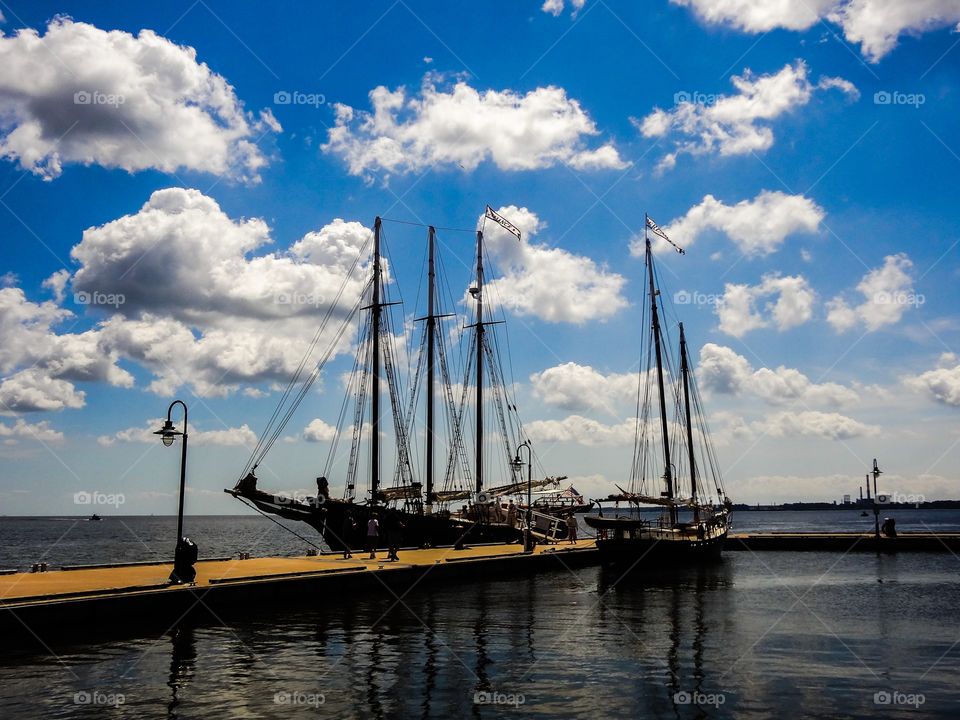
(20, 589)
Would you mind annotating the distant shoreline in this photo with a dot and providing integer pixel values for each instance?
(863, 505)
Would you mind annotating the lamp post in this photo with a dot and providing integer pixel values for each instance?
(876, 509)
(518, 465)
(168, 433)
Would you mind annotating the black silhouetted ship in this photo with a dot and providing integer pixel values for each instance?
(426, 508)
(678, 509)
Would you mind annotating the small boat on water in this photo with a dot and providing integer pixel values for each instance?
(679, 511)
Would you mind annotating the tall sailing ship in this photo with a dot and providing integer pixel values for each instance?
(461, 504)
(679, 510)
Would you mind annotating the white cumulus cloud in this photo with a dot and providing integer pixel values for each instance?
(33, 390)
(876, 25)
(812, 423)
(547, 282)
(760, 15)
(744, 308)
(79, 94)
(22, 430)
(462, 126)
(180, 244)
(199, 308)
(242, 436)
(757, 227)
(39, 365)
(583, 431)
(192, 304)
(319, 431)
(941, 384)
(580, 387)
(722, 370)
(555, 7)
(736, 124)
(887, 294)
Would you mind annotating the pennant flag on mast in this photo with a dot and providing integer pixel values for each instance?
(657, 231)
(502, 221)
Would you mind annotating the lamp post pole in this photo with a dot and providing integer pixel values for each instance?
(183, 471)
(518, 463)
(876, 509)
(168, 434)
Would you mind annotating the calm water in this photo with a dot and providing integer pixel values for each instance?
(796, 634)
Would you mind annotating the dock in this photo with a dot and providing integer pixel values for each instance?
(44, 606)
(49, 606)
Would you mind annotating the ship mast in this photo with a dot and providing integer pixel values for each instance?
(478, 293)
(431, 342)
(375, 312)
(685, 370)
(667, 472)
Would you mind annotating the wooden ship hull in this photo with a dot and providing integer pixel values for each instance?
(419, 529)
(627, 542)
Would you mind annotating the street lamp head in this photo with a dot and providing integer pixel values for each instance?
(168, 433)
(517, 463)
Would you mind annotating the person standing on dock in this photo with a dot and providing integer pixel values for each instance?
(394, 530)
(572, 528)
(347, 532)
(512, 515)
(373, 535)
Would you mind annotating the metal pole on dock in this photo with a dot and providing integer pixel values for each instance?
(876, 509)
(168, 433)
(518, 465)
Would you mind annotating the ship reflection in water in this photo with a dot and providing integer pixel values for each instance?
(748, 637)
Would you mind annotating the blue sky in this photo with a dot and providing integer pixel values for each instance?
(805, 157)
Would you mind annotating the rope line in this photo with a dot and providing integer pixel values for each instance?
(274, 520)
(419, 224)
